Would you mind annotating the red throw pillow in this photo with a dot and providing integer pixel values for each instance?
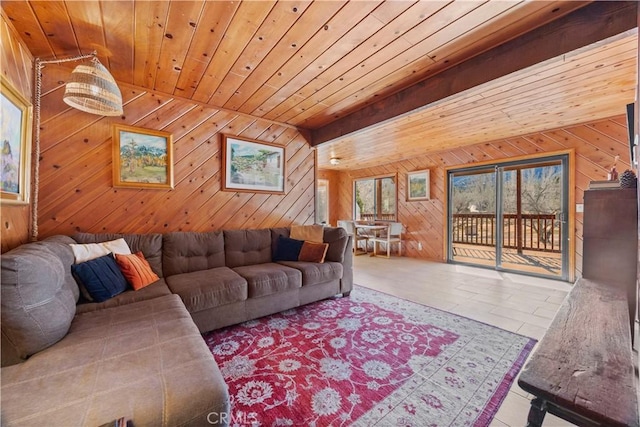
(313, 252)
(136, 270)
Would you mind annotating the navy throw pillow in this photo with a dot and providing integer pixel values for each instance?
(101, 277)
(287, 249)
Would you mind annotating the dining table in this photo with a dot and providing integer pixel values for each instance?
(370, 230)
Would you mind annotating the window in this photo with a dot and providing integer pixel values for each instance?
(322, 202)
(375, 199)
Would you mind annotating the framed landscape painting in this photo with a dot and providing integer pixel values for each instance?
(252, 166)
(15, 133)
(418, 185)
(142, 158)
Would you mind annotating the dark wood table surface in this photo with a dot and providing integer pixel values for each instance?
(584, 363)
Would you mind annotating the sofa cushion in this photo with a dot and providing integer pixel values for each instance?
(101, 277)
(310, 233)
(60, 246)
(146, 362)
(37, 304)
(313, 252)
(314, 273)
(149, 244)
(205, 289)
(275, 235)
(337, 239)
(269, 278)
(247, 247)
(287, 249)
(154, 290)
(88, 251)
(136, 269)
(184, 252)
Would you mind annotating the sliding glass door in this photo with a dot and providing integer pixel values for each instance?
(472, 216)
(511, 216)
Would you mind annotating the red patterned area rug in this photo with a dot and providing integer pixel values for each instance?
(369, 359)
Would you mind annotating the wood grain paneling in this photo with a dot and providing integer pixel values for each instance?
(199, 69)
(578, 30)
(595, 144)
(76, 192)
(256, 57)
(17, 67)
(299, 62)
(586, 85)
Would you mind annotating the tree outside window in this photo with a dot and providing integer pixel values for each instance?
(375, 199)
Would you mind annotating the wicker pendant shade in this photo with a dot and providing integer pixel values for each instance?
(92, 89)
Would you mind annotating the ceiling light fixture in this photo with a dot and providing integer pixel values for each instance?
(334, 161)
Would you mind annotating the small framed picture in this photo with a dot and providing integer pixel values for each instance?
(418, 185)
(15, 132)
(253, 166)
(142, 158)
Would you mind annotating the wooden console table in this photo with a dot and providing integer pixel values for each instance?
(583, 368)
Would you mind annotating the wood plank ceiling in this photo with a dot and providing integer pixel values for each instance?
(309, 63)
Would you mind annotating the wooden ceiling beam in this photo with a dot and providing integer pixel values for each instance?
(590, 24)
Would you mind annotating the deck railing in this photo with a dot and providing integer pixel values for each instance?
(378, 217)
(537, 232)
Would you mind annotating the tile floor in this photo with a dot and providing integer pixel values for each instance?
(513, 302)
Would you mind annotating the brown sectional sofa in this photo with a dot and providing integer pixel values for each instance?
(140, 354)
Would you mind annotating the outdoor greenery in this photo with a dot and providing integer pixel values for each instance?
(368, 206)
(541, 191)
(540, 194)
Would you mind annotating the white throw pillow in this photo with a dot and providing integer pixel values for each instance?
(89, 251)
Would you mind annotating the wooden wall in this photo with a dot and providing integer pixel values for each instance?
(595, 146)
(17, 67)
(76, 192)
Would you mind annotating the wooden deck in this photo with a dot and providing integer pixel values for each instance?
(543, 263)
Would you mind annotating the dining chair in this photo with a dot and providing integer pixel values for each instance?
(351, 231)
(393, 235)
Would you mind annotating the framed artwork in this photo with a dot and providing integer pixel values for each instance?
(418, 185)
(142, 158)
(15, 132)
(252, 166)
